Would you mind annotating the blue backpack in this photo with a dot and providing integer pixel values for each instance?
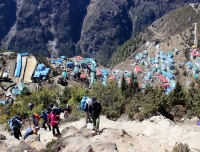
(83, 104)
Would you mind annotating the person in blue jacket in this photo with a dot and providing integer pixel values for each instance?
(30, 131)
(44, 122)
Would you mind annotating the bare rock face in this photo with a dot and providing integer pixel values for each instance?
(7, 16)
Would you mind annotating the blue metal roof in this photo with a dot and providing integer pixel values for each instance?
(59, 60)
(40, 67)
(37, 74)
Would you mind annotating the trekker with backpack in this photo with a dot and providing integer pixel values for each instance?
(15, 125)
(54, 120)
(94, 111)
(35, 117)
(84, 106)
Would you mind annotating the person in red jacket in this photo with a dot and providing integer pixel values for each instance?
(54, 119)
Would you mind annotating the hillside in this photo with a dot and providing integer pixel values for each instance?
(177, 30)
(155, 134)
(92, 28)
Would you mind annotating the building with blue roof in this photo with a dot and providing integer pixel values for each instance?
(59, 60)
(41, 73)
(40, 67)
(170, 76)
(52, 61)
(170, 54)
(70, 65)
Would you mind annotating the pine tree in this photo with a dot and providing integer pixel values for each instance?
(123, 84)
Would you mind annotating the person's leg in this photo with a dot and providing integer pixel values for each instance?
(97, 122)
(45, 125)
(57, 129)
(16, 134)
(53, 130)
(94, 122)
(49, 126)
(86, 117)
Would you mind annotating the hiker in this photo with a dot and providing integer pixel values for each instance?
(35, 117)
(54, 120)
(67, 111)
(15, 125)
(31, 106)
(44, 116)
(94, 111)
(68, 108)
(30, 131)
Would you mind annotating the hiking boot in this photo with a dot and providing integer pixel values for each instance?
(59, 135)
(54, 135)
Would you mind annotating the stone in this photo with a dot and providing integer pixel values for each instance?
(2, 137)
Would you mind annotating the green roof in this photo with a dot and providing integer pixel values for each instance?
(195, 67)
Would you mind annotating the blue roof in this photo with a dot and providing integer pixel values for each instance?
(45, 72)
(63, 57)
(52, 61)
(2, 102)
(40, 67)
(169, 75)
(170, 60)
(104, 72)
(19, 66)
(59, 60)
(24, 54)
(37, 74)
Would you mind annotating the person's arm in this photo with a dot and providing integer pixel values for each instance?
(19, 122)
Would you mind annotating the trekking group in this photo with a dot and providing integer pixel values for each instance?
(51, 117)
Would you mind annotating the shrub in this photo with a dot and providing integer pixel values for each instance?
(181, 148)
(51, 143)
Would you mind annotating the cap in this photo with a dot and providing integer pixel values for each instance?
(94, 99)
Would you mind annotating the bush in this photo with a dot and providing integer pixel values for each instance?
(181, 148)
(51, 143)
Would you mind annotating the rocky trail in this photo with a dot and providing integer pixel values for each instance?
(155, 134)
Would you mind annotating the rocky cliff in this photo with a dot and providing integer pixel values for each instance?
(72, 27)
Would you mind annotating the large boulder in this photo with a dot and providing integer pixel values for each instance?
(21, 148)
(100, 146)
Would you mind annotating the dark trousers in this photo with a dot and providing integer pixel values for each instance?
(16, 134)
(57, 129)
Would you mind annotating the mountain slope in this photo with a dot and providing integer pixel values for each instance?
(71, 27)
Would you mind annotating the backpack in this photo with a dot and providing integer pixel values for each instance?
(83, 103)
(13, 124)
(37, 116)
